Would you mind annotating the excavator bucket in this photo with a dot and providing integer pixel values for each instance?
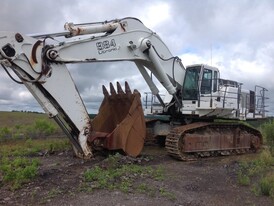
(120, 123)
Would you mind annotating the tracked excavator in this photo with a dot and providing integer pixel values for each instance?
(196, 98)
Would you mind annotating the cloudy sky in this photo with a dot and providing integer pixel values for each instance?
(237, 36)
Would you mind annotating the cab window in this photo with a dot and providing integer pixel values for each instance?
(206, 82)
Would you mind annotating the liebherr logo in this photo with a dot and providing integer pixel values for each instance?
(106, 46)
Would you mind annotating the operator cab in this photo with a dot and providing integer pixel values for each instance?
(200, 80)
(204, 95)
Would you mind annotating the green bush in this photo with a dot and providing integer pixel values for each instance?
(243, 179)
(5, 132)
(258, 173)
(18, 171)
(45, 126)
(268, 133)
(41, 127)
(267, 185)
(266, 159)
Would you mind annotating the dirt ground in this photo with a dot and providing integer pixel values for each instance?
(208, 181)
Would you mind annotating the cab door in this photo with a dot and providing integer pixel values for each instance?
(191, 83)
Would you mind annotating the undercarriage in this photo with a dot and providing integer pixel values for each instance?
(202, 139)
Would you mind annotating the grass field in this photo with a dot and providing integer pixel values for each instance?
(24, 125)
(11, 119)
(25, 137)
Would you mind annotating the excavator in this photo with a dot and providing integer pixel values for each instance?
(196, 95)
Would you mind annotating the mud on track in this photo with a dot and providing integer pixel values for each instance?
(211, 181)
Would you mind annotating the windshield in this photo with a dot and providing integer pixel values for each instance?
(190, 88)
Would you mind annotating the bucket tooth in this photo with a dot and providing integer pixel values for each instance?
(105, 91)
(119, 89)
(135, 91)
(112, 90)
(127, 88)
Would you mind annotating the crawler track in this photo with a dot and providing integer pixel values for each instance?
(202, 139)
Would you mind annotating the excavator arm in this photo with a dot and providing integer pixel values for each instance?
(40, 64)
